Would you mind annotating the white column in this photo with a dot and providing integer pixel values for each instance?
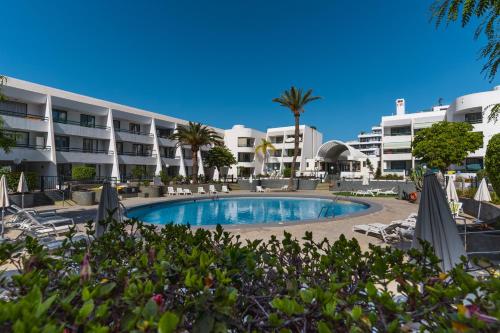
(115, 170)
(52, 170)
(179, 155)
(156, 147)
(201, 170)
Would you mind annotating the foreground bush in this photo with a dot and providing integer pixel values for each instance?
(179, 280)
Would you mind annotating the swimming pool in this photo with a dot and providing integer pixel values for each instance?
(243, 210)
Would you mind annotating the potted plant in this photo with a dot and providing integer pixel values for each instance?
(149, 191)
(82, 196)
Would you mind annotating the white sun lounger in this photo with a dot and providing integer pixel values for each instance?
(388, 232)
(29, 224)
(170, 190)
(259, 188)
(284, 188)
(392, 191)
(187, 192)
(225, 189)
(211, 189)
(180, 191)
(201, 190)
(363, 192)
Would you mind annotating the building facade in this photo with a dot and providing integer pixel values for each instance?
(56, 129)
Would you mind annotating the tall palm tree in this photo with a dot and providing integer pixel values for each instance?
(195, 135)
(264, 147)
(295, 100)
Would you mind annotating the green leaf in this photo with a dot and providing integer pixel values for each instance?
(85, 310)
(356, 312)
(287, 306)
(323, 327)
(168, 322)
(43, 307)
(85, 294)
(150, 309)
(371, 290)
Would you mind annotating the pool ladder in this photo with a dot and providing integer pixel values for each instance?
(325, 209)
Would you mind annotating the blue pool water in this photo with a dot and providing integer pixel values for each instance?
(241, 210)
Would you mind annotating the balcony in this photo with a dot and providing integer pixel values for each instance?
(133, 136)
(79, 155)
(166, 142)
(138, 158)
(24, 121)
(77, 128)
(31, 153)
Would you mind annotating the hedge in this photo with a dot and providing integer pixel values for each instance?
(179, 280)
(82, 172)
(492, 162)
(13, 179)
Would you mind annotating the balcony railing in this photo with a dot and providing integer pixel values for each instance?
(122, 130)
(82, 150)
(22, 115)
(35, 147)
(134, 153)
(82, 124)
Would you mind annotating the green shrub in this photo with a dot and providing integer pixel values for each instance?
(12, 178)
(287, 172)
(138, 172)
(179, 280)
(378, 173)
(492, 162)
(165, 179)
(82, 172)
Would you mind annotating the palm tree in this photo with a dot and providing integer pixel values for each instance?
(484, 13)
(295, 100)
(195, 135)
(264, 147)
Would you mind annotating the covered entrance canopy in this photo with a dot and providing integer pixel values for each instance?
(338, 158)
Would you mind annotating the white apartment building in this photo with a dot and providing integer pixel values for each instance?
(242, 142)
(56, 129)
(282, 138)
(369, 144)
(398, 130)
(475, 109)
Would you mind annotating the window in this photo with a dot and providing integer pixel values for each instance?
(245, 157)
(14, 107)
(59, 116)
(397, 151)
(164, 132)
(474, 118)
(276, 139)
(119, 147)
(169, 152)
(289, 152)
(398, 165)
(62, 142)
(276, 153)
(138, 149)
(245, 142)
(473, 164)
(87, 121)
(187, 153)
(116, 124)
(134, 128)
(403, 130)
(90, 145)
(22, 138)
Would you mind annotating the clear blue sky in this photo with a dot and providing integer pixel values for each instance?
(222, 62)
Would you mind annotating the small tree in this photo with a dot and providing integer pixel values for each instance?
(138, 172)
(492, 162)
(82, 172)
(378, 173)
(369, 165)
(446, 143)
(219, 157)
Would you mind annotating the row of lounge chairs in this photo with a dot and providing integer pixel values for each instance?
(47, 227)
(259, 188)
(375, 192)
(395, 231)
(201, 190)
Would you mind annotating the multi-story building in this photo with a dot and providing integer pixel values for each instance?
(397, 135)
(242, 142)
(282, 138)
(56, 129)
(369, 144)
(475, 109)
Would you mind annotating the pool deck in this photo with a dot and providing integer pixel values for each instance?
(387, 210)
